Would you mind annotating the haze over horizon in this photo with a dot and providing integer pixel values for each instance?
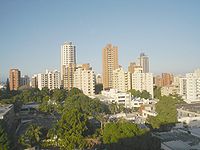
(31, 33)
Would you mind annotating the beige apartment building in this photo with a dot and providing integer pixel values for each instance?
(110, 63)
(84, 79)
(121, 80)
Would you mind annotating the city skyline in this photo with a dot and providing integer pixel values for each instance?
(32, 33)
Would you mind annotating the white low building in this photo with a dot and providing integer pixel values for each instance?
(149, 110)
(138, 102)
(114, 96)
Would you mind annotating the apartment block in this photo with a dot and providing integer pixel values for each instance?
(14, 79)
(110, 63)
(50, 79)
(121, 80)
(68, 64)
(143, 81)
(84, 79)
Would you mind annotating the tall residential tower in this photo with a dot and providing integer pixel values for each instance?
(110, 63)
(68, 64)
(14, 79)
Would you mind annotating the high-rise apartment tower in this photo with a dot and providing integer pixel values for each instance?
(68, 64)
(14, 79)
(110, 63)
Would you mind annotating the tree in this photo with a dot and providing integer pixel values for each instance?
(166, 109)
(74, 91)
(91, 107)
(59, 95)
(71, 130)
(113, 132)
(31, 137)
(145, 95)
(157, 92)
(126, 135)
(4, 139)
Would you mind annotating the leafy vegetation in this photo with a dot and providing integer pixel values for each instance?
(126, 135)
(113, 132)
(31, 137)
(81, 122)
(166, 109)
(71, 130)
(4, 138)
(143, 94)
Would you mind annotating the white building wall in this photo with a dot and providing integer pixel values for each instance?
(51, 80)
(68, 55)
(85, 81)
(143, 81)
(193, 87)
(121, 80)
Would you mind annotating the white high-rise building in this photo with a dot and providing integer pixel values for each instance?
(50, 79)
(84, 79)
(143, 81)
(193, 86)
(68, 64)
(121, 80)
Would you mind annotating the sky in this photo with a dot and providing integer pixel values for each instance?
(32, 32)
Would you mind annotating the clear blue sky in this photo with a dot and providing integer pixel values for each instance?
(31, 32)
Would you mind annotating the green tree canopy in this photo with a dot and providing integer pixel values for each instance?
(166, 109)
(71, 130)
(82, 102)
(31, 137)
(143, 94)
(4, 139)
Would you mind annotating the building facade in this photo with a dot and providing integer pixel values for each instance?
(84, 79)
(183, 87)
(193, 86)
(50, 79)
(34, 81)
(167, 79)
(14, 79)
(98, 79)
(143, 61)
(143, 81)
(68, 64)
(110, 63)
(121, 80)
(25, 81)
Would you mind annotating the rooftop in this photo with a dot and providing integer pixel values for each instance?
(180, 138)
(4, 109)
(195, 107)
